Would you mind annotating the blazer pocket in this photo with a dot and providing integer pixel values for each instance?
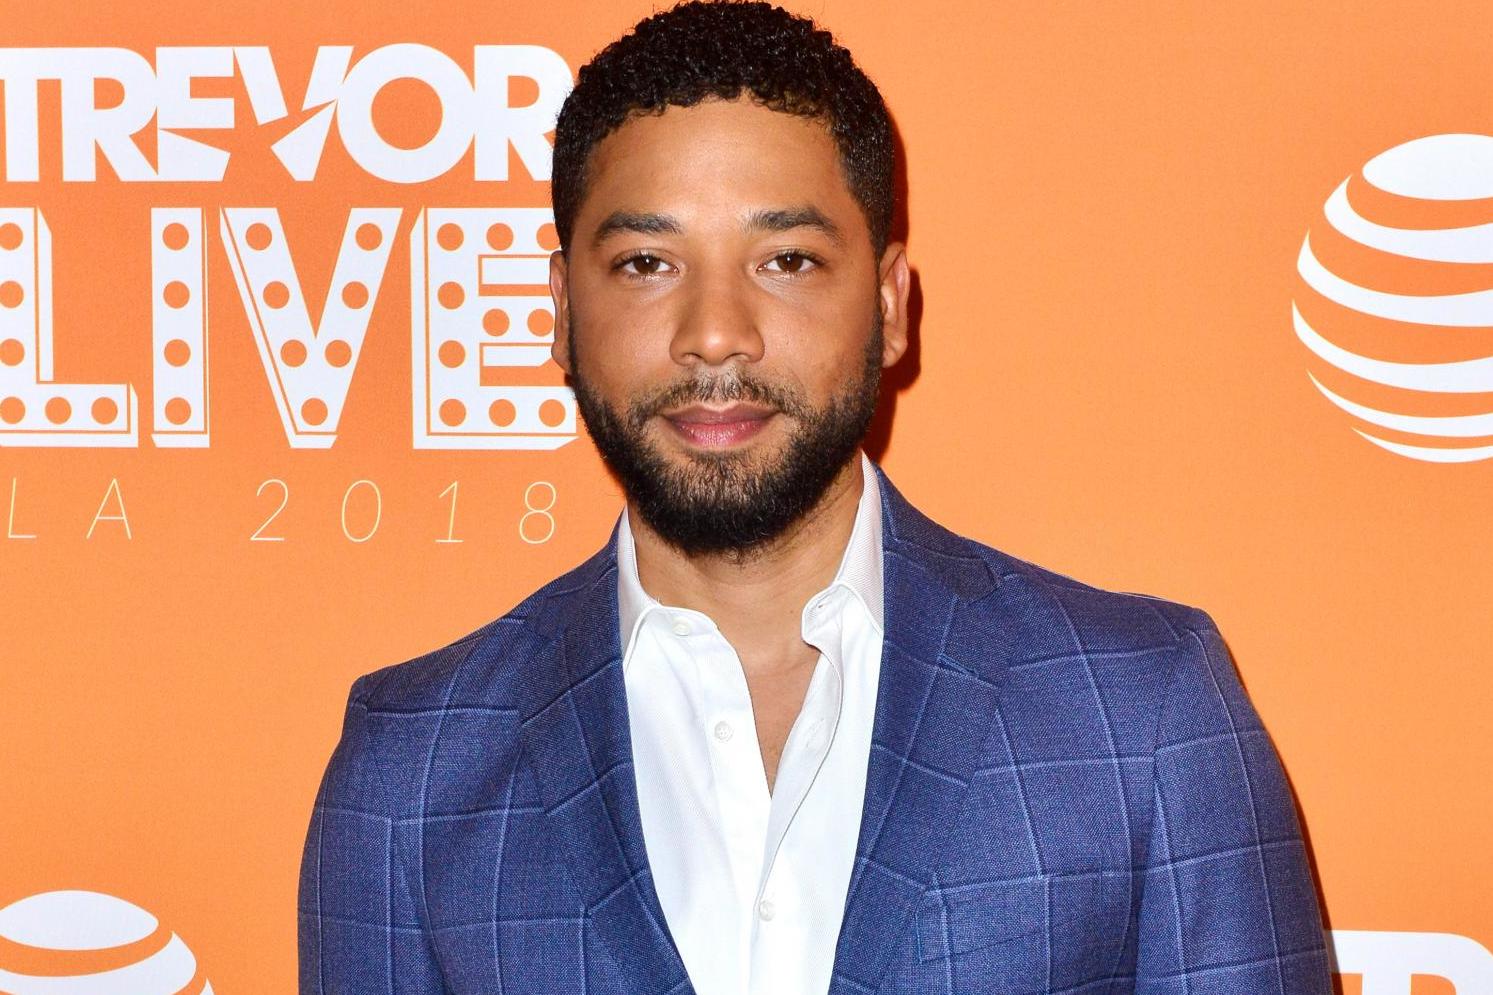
(960, 918)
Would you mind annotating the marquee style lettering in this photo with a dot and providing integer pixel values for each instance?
(480, 307)
(309, 366)
(36, 410)
(178, 353)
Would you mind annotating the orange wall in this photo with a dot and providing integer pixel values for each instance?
(1105, 206)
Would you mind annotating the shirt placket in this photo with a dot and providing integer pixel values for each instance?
(780, 937)
(741, 791)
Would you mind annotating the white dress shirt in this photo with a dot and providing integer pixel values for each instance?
(753, 884)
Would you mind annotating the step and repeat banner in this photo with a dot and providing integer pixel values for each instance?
(1205, 310)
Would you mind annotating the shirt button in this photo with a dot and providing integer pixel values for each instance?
(681, 627)
(766, 910)
(723, 731)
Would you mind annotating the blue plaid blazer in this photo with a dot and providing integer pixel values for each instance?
(1068, 791)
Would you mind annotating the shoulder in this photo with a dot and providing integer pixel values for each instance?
(1133, 648)
(1155, 668)
(1092, 618)
(1109, 673)
(1144, 669)
(481, 668)
(1044, 610)
(460, 697)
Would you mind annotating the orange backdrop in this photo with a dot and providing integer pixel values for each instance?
(1105, 208)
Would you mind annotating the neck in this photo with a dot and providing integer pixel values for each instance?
(756, 599)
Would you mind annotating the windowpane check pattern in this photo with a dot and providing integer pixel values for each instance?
(1068, 791)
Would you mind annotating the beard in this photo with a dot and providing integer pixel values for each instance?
(732, 503)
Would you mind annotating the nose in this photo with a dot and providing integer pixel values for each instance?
(717, 324)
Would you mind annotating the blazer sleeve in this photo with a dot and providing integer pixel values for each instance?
(359, 932)
(1229, 905)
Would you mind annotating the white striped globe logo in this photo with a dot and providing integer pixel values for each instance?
(1395, 299)
(87, 943)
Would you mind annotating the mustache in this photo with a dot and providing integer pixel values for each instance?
(722, 388)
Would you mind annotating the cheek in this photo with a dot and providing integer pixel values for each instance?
(823, 344)
(622, 342)
(621, 370)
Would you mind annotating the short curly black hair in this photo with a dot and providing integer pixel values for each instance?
(722, 48)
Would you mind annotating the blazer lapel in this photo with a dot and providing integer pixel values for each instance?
(575, 733)
(933, 713)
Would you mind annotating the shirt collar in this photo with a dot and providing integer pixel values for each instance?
(860, 570)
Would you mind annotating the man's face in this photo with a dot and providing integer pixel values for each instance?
(724, 319)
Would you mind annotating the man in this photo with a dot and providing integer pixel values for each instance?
(784, 734)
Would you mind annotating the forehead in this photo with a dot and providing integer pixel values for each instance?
(718, 153)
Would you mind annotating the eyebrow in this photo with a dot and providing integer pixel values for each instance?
(771, 220)
(795, 217)
(643, 222)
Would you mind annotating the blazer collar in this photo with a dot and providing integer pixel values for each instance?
(933, 709)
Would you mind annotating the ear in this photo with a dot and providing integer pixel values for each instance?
(892, 289)
(560, 349)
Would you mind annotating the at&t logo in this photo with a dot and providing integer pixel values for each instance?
(86, 943)
(1395, 300)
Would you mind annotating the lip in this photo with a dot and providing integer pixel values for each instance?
(719, 428)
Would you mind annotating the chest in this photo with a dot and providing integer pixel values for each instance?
(777, 693)
(503, 912)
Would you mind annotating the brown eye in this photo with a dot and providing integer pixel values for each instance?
(644, 264)
(794, 262)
